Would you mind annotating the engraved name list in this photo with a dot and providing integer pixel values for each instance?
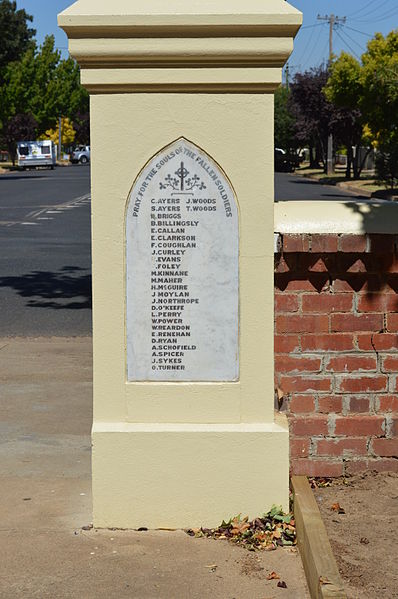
(182, 270)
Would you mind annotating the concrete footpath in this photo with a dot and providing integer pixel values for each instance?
(45, 500)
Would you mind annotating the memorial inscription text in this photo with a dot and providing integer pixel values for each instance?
(182, 270)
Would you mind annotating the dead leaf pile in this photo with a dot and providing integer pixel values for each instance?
(320, 482)
(271, 530)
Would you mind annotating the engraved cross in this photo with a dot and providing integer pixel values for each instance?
(182, 173)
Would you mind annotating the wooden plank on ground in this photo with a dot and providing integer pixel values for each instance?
(320, 566)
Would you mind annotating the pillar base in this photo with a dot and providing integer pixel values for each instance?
(187, 475)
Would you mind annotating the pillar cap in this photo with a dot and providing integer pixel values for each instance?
(130, 18)
(126, 46)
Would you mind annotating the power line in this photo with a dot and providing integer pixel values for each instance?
(375, 9)
(352, 39)
(310, 26)
(348, 45)
(304, 53)
(356, 12)
(357, 31)
(383, 17)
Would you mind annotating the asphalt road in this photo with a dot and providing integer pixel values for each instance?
(292, 187)
(45, 253)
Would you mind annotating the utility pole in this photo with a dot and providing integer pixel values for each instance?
(332, 20)
(287, 76)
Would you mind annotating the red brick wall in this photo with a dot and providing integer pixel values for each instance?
(336, 351)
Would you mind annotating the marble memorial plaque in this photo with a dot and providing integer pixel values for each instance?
(182, 259)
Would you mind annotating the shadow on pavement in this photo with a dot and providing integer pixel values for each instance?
(11, 177)
(53, 289)
(303, 181)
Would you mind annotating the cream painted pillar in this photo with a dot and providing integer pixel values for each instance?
(181, 89)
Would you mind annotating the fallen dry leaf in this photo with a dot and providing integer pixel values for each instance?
(336, 507)
(282, 584)
(324, 580)
(273, 576)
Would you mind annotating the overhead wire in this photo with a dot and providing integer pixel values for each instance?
(357, 12)
(380, 18)
(310, 26)
(353, 40)
(312, 48)
(374, 10)
(386, 16)
(347, 44)
(357, 31)
(307, 46)
(324, 49)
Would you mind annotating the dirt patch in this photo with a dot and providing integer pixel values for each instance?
(364, 538)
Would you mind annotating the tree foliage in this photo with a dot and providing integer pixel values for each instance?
(387, 163)
(313, 113)
(43, 85)
(21, 127)
(285, 133)
(68, 133)
(81, 125)
(368, 92)
(344, 90)
(15, 34)
(379, 78)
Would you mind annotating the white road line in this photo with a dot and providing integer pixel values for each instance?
(37, 214)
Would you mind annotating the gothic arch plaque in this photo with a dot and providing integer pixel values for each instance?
(182, 260)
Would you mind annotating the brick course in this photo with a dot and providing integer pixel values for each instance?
(336, 351)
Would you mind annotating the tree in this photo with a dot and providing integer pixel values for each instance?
(15, 35)
(387, 162)
(68, 133)
(81, 125)
(379, 78)
(344, 90)
(312, 111)
(43, 84)
(71, 97)
(284, 121)
(21, 127)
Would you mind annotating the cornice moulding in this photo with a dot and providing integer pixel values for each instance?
(165, 80)
(97, 53)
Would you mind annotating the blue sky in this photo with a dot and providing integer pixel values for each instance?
(364, 19)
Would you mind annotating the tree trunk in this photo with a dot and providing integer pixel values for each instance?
(349, 162)
(312, 158)
(355, 163)
(362, 163)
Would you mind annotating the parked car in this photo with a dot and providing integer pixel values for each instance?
(32, 154)
(80, 154)
(284, 162)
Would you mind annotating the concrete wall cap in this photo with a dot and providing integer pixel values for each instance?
(353, 217)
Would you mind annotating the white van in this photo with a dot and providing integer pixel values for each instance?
(36, 153)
